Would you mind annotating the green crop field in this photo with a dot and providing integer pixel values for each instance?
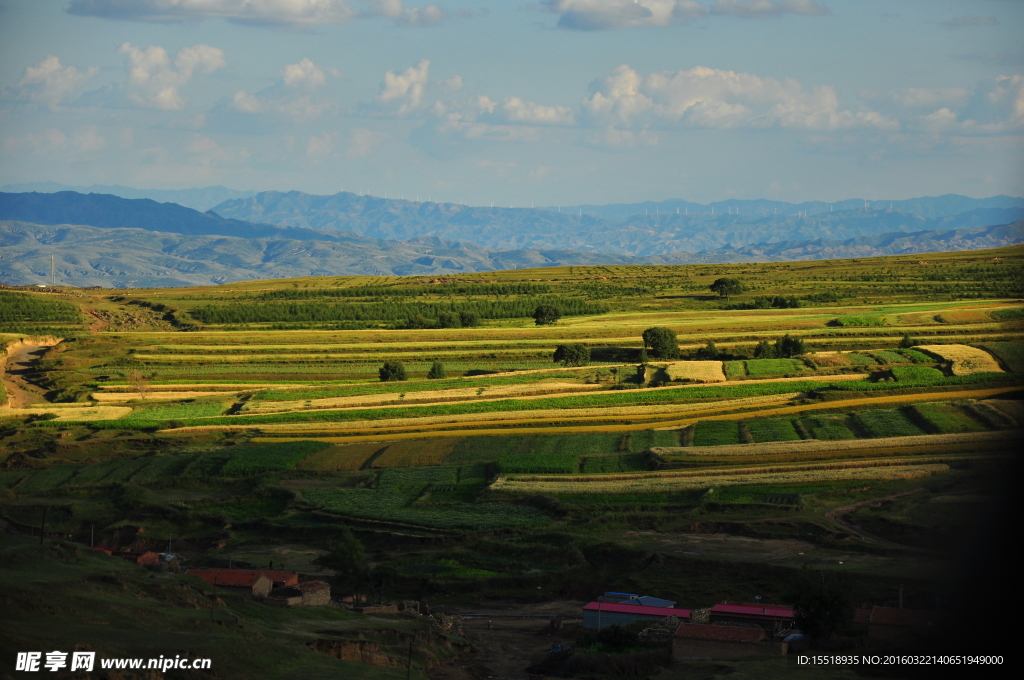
(253, 460)
(1011, 354)
(916, 356)
(772, 430)
(827, 427)
(947, 418)
(645, 439)
(916, 373)
(888, 423)
(858, 320)
(716, 432)
(763, 368)
(889, 357)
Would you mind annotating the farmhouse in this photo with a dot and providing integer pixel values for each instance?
(147, 558)
(773, 618)
(625, 608)
(245, 581)
(306, 594)
(705, 641)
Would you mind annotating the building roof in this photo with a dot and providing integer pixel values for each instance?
(637, 609)
(779, 611)
(648, 601)
(280, 576)
(703, 631)
(892, 616)
(310, 586)
(245, 578)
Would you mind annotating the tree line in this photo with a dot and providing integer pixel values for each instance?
(468, 289)
(323, 311)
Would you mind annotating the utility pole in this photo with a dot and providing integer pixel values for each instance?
(53, 276)
(408, 666)
(42, 527)
(92, 536)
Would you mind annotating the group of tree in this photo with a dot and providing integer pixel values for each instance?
(444, 320)
(572, 355)
(785, 347)
(775, 302)
(353, 571)
(399, 291)
(662, 342)
(327, 310)
(393, 370)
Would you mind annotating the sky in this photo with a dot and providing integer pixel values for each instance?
(518, 103)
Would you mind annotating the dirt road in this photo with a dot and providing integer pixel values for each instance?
(838, 515)
(20, 392)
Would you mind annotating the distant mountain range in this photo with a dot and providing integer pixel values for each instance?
(637, 235)
(198, 199)
(109, 241)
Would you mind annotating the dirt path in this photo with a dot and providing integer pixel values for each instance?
(99, 323)
(20, 392)
(838, 515)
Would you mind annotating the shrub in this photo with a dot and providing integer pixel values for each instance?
(392, 371)
(436, 371)
(546, 314)
(469, 319)
(662, 341)
(708, 352)
(418, 321)
(449, 320)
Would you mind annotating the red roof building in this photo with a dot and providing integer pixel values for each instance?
(771, 617)
(597, 615)
(240, 580)
(281, 579)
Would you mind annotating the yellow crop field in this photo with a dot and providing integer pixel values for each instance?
(113, 397)
(965, 359)
(338, 458)
(838, 445)
(829, 359)
(415, 453)
(965, 316)
(75, 412)
(696, 371)
(615, 484)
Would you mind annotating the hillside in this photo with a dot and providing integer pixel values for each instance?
(637, 235)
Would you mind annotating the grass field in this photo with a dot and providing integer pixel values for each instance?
(716, 433)
(887, 423)
(772, 430)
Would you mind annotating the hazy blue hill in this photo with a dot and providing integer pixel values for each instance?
(123, 257)
(654, 233)
(200, 199)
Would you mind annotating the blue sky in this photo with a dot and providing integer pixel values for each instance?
(549, 102)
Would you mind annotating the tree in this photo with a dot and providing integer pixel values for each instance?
(437, 371)
(572, 355)
(469, 319)
(788, 346)
(907, 342)
(140, 382)
(764, 350)
(418, 321)
(727, 287)
(823, 602)
(708, 352)
(662, 341)
(392, 370)
(449, 320)
(546, 314)
(347, 559)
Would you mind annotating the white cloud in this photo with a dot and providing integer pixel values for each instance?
(49, 82)
(44, 142)
(89, 140)
(760, 9)
(713, 98)
(996, 106)
(320, 147)
(208, 152)
(291, 13)
(594, 15)
(968, 20)
(362, 141)
(517, 110)
(247, 103)
(405, 89)
(153, 81)
(303, 74)
(919, 98)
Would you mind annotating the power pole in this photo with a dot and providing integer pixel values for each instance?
(53, 276)
(42, 527)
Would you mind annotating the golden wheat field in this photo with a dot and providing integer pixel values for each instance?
(964, 358)
(415, 453)
(696, 371)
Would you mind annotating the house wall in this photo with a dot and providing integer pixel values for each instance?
(590, 618)
(769, 623)
(683, 648)
(317, 597)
